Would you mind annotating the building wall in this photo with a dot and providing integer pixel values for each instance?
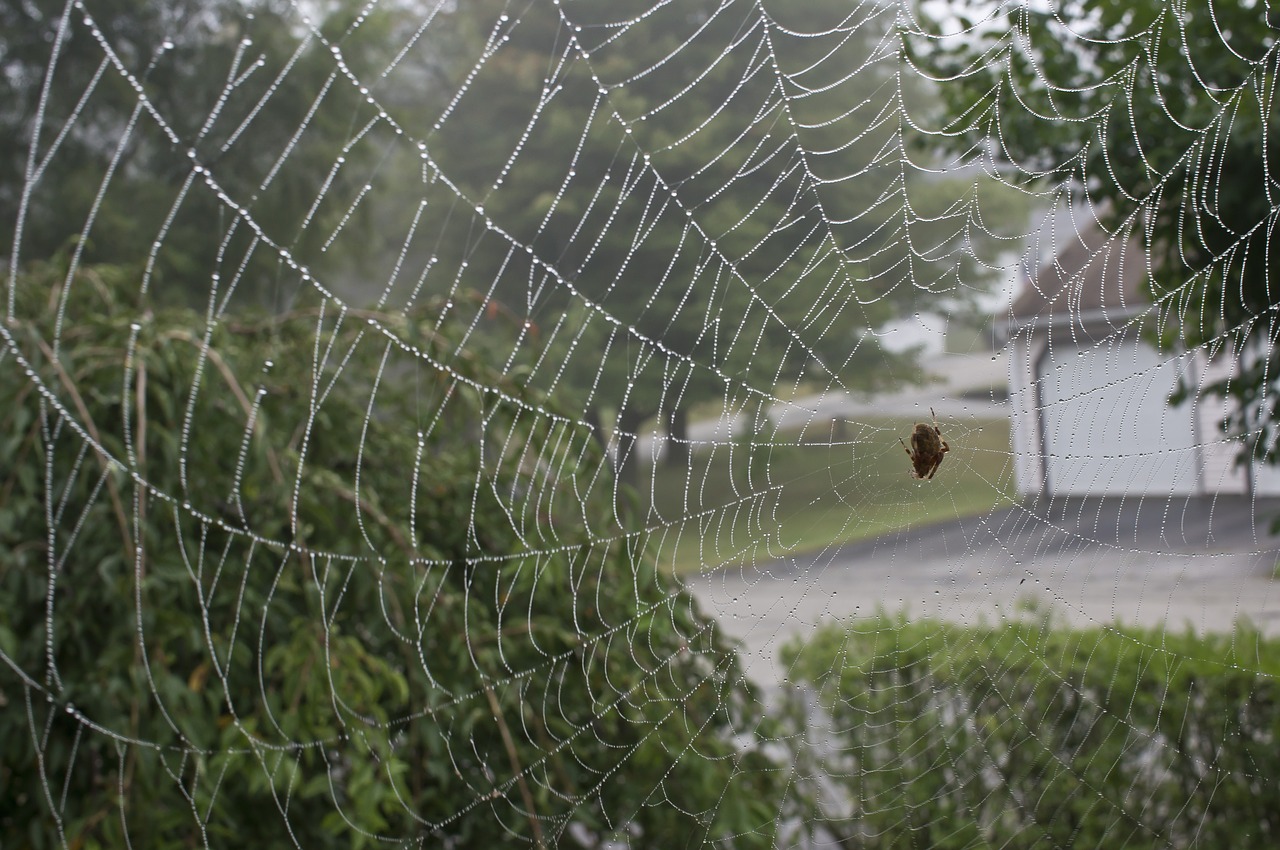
(1107, 426)
(1142, 443)
(1221, 472)
(1028, 465)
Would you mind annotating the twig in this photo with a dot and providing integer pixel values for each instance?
(515, 766)
(112, 490)
(234, 385)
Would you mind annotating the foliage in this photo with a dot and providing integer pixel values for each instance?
(303, 579)
(1031, 734)
(139, 133)
(1161, 114)
(733, 223)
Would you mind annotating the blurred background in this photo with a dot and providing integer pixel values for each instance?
(482, 423)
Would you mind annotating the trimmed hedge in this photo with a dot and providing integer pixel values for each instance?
(1033, 735)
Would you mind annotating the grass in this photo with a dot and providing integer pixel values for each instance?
(739, 504)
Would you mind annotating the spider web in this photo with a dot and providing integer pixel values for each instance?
(462, 424)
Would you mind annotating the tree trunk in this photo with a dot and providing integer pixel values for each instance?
(678, 438)
(592, 418)
(626, 465)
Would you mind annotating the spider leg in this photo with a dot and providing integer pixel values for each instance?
(937, 463)
(945, 449)
(904, 446)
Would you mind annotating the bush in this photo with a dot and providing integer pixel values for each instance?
(1033, 735)
(330, 579)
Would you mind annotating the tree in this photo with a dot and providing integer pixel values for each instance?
(252, 589)
(1161, 114)
(714, 224)
(237, 106)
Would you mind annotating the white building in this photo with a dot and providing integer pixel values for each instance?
(1089, 392)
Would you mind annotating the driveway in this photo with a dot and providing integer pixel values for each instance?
(1199, 562)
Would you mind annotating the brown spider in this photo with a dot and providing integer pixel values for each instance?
(927, 448)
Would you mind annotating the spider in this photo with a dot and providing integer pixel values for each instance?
(927, 448)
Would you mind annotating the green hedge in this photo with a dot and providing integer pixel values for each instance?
(1035, 735)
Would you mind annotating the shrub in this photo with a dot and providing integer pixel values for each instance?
(1034, 735)
(329, 579)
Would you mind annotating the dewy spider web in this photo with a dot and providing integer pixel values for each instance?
(431, 424)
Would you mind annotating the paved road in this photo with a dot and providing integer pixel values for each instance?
(1199, 562)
